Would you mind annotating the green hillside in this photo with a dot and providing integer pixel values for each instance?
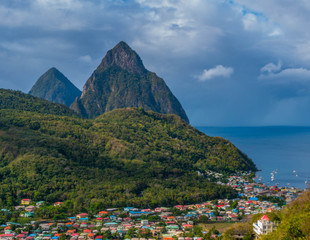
(124, 157)
(294, 220)
(10, 99)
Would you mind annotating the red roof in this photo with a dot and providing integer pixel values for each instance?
(82, 214)
(265, 217)
(187, 225)
(103, 212)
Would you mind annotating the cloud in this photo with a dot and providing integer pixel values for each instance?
(46, 14)
(288, 75)
(175, 39)
(85, 58)
(218, 71)
(250, 21)
(300, 73)
(271, 67)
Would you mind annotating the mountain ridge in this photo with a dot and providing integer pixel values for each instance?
(121, 80)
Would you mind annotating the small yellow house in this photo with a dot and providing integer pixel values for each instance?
(25, 201)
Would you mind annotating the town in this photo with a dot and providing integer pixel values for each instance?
(182, 222)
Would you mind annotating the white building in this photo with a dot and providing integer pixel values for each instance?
(264, 226)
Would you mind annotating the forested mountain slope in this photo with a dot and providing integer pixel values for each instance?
(124, 157)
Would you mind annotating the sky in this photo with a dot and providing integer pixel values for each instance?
(229, 62)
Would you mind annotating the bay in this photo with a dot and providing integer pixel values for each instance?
(283, 151)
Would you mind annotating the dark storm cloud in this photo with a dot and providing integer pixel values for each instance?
(211, 53)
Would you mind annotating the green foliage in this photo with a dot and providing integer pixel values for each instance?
(19, 101)
(124, 157)
(294, 220)
(239, 229)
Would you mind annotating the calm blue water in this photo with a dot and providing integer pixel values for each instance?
(285, 150)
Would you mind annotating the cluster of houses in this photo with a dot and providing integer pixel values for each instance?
(248, 188)
(161, 222)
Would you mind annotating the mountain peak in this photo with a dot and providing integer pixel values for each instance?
(53, 70)
(124, 57)
(55, 87)
(121, 81)
(122, 45)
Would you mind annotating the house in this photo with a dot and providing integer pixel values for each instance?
(233, 217)
(127, 209)
(25, 201)
(82, 215)
(136, 213)
(102, 213)
(90, 236)
(6, 236)
(19, 207)
(39, 204)
(30, 208)
(29, 214)
(264, 226)
(58, 204)
(45, 226)
(144, 222)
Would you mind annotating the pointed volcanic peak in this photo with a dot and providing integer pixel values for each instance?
(55, 87)
(124, 57)
(121, 81)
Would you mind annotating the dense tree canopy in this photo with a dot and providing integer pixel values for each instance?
(124, 157)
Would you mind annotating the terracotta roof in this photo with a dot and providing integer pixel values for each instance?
(265, 217)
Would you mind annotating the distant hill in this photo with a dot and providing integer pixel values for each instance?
(55, 87)
(120, 81)
(10, 99)
(124, 157)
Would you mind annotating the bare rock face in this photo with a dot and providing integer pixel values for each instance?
(55, 87)
(120, 81)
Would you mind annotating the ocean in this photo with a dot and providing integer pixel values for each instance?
(281, 152)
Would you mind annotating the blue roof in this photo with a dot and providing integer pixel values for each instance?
(133, 212)
(128, 208)
(110, 223)
(253, 198)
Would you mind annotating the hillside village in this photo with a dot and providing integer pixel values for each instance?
(178, 222)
